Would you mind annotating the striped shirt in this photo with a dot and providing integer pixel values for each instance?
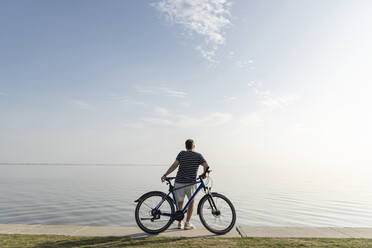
(188, 168)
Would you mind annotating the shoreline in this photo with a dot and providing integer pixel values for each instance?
(238, 231)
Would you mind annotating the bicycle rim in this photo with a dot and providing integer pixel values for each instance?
(217, 222)
(146, 220)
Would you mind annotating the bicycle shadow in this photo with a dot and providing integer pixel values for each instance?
(173, 232)
(106, 242)
(133, 240)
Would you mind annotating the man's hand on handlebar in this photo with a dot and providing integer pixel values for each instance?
(204, 175)
(163, 178)
(169, 171)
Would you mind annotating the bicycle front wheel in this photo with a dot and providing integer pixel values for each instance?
(217, 213)
(152, 217)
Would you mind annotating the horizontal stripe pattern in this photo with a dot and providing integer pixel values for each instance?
(188, 168)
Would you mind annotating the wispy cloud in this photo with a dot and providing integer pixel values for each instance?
(240, 62)
(147, 90)
(133, 124)
(266, 98)
(161, 111)
(208, 55)
(210, 120)
(244, 63)
(229, 98)
(172, 92)
(125, 99)
(158, 121)
(185, 104)
(278, 102)
(81, 104)
(207, 18)
(253, 118)
(119, 98)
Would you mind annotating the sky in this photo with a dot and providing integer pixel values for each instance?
(254, 83)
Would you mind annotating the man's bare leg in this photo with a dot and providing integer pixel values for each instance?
(189, 211)
(180, 204)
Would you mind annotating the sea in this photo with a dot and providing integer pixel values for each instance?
(104, 194)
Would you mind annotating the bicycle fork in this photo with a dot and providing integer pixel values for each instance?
(213, 205)
(211, 202)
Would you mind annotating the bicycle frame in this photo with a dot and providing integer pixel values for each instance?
(206, 206)
(172, 189)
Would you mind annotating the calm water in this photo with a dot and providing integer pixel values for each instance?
(104, 195)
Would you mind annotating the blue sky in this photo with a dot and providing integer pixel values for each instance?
(253, 82)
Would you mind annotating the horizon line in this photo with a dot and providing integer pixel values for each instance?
(84, 164)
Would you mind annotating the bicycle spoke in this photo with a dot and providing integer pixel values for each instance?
(224, 218)
(152, 222)
(147, 205)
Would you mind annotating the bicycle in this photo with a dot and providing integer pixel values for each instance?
(156, 211)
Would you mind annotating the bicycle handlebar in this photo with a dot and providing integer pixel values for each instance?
(205, 173)
(168, 179)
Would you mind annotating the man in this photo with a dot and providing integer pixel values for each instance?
(188, 162)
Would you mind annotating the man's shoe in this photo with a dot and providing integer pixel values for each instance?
(180, 225)
(189, 226)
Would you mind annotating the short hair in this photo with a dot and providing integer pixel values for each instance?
(189, 144)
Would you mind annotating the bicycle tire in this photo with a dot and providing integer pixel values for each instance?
(204, 222)
(140, 204)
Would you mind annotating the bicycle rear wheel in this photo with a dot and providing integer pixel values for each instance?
(150, 219)
(217, 213)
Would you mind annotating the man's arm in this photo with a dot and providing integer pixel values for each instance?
(170, 170)
(205, 166)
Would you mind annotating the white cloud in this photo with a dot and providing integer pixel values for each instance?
(117, 98)
(147, 90)
(144, 90)
(266, 98)
(207, 18)
(240, 62)
(278, 102)
(253, 118)
(254, 84)
(231, 54)
(243, 63)
(161, 111)
(135, 124)
(158, 121)
(82, 104)
(229, 98)
(125, 99)
(172, 92)
(208, 55)
(211, 120)
(185, 104)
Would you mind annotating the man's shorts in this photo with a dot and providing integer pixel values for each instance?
(180, 194)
